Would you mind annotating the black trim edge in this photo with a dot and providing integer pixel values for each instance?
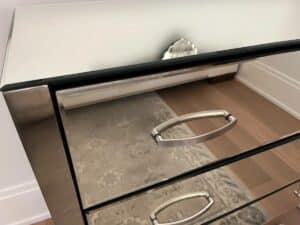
(211, 58)
(200, 170)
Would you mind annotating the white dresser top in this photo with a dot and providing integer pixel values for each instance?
(59, 39)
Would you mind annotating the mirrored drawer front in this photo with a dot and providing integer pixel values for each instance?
(208, 196)
(280, 208)
(123, 144)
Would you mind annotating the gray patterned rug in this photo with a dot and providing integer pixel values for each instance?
(113, 153)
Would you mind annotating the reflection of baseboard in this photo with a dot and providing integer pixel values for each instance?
(221, 78)
(91, 94)
(273, 85)
(22, 205)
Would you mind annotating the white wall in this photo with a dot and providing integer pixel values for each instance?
(288, 64)
(277, 85)
(277, 77)
(20, 199)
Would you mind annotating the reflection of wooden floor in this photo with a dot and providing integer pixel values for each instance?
(270, 122)
(292, 217)
(261, 173)
(46, 222)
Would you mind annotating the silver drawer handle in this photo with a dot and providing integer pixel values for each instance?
(156, 132)
(154, 219)
(297, 193)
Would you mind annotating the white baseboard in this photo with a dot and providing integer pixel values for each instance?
(274, 85)
(22, 205)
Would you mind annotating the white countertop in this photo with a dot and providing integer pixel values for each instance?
(58, 39)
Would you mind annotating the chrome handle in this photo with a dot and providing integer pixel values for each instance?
(153, 216)
(156, 132)
(297, 193)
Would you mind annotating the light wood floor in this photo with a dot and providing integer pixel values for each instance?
(259, 121)
(46, 222)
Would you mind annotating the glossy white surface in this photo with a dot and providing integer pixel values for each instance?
(59, 39)
(18, 187)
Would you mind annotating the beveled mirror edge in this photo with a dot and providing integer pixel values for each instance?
(34, 116)
(235, 55)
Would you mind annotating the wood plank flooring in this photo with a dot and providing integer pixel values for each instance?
(260, 121)
(46, 222)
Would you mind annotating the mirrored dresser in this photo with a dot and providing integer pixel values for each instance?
(141, 113)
